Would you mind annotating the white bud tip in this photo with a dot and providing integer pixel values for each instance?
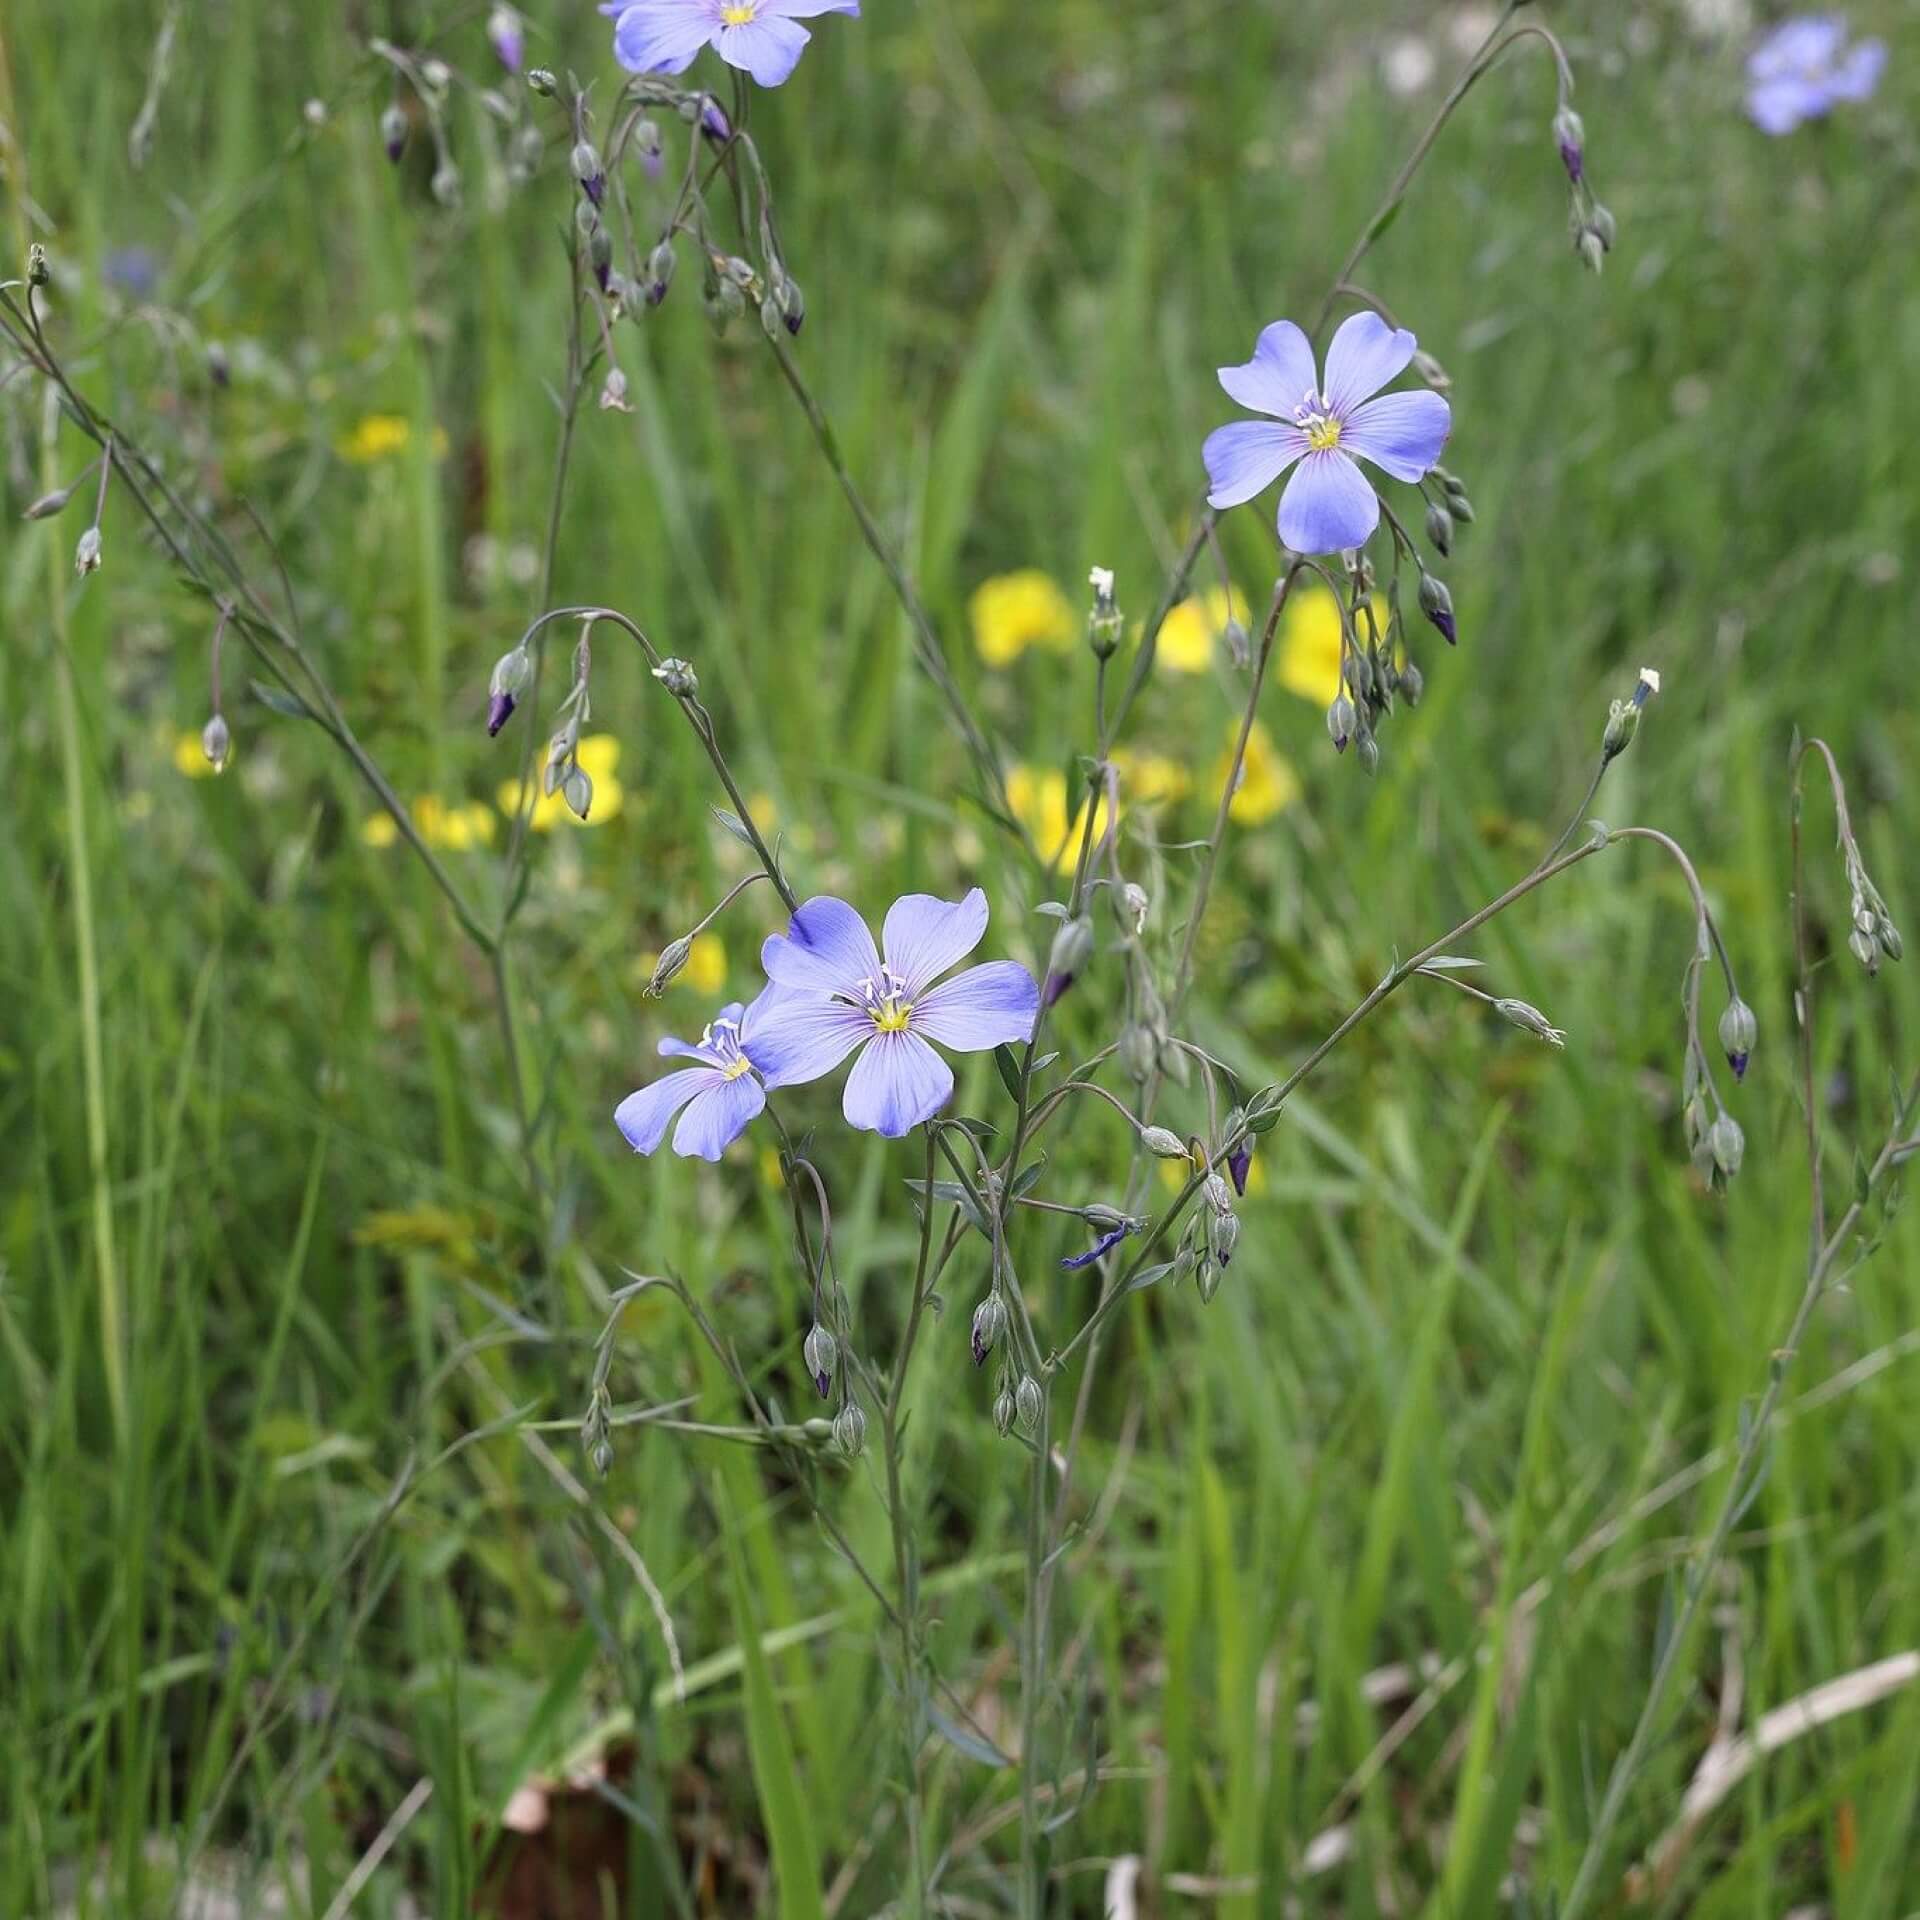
(1100, 579)
(1650, 679)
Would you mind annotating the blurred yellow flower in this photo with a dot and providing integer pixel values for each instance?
(1268, 783)
(1174, 1174)
(1188, 633)
(1015, 611)
(1310, 646)
(706, 966)
(1038, 798)
(190, 758)
(770, 1168)
(1151, 779)
(600, 755)
(380, 435)
(456, 828)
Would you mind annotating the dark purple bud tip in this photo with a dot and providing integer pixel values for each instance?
(656, 292)
(1449, 628)
(715, 124)
(395, 148)
(595, 188)
(603, 272)
(824, 1382)
(499, 712)
(1573, 160)
(1057, 984)
(795, 321)
(1738, 1062)
(1223, 1258)
(979, 1349)
(1239, 1165)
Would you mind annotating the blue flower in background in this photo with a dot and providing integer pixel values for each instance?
(839, 994)
(1324, 431)
(1805, 68)
(721, 1093)
(763, 37)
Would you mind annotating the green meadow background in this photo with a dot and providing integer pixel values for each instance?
(1462, 1401)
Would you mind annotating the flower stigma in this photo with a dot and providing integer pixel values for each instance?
(1315, 417)
(886, 1003)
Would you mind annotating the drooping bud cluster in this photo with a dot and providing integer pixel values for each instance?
(1738, 1032)
(1588, 222)
(989, 1323)
(563, 773)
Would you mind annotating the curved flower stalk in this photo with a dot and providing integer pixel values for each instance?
(840, 994)
(761, 37)
(720, 1094)
(1323, 429)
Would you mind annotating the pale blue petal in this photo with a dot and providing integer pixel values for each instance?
(827, 949)
(924, 936)
(1798, 48)
(1366, 354)
(807, 9)
(1855, 77)
(715, 1119)
(799, 1037)
(1401, 433)
(896, 1083)
(1328, 506)
(1247, 457)
(987, 1006)
(644, 1116)
(769, 48)
(1280, 375)
(1778, 106)
(661, 36)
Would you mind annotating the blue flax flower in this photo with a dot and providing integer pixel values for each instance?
(1805, 68)
(839, 994)
(1104, 1245)
(764, 37)
(721, 1092)
(1324, 431)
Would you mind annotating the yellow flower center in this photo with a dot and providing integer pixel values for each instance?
(1322, 431)
(739, 15)
(736, 1068)
(891, 1015)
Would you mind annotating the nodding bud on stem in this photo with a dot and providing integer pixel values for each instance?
(393, 131)
(1530, 1020)
(678, 678)
(819, 1351)
(542, 81)
(1163, 1143)
(1139, 1052)
(793, 305)
(1029, 1402)
(1727, 1144)
(850, 1429)
(1623, 716)
(216, 742)
(668, 966)
(1072, 949)
(1413, 683)
(1103, 619)
(50, 504)
(1240, 1165)
(613, 395)
(660, 265)
(1003, 1411)
(38, 272)
(86, 555)
(1591, 249)
(1439, 529)
(714, 122)
(1437, 604)
(1738, 1032)
(1223, 1234)
(588, 172)
(989, 1323)
(1570, 136)
(1341, 721)
(577, 790)
(511, 672)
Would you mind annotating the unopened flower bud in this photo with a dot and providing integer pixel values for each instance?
(577, 790)
(436, 74)
(1431, 371)
(1029, 1403)
(666, 969)
(50, 504)
(1003, 1411)
(793, 305)
(989, 1323)
(393, 131)
(1216, 1193)
(1459, 505)
(1591, 249)
(678, 677)
(1738, 1031)
(1570, 136)
(507, 33)
(772, 321)
(1138, 904)
(446, 184)
(1888, 935)
(86, 555)
(613, 395)
(216, 742)
(38, 272)
(819, 1351)
(1865, 949)
(1604, 229)
(511, 672)
(1223, 1233)
(850, 1429)
(602, 1456)
(714, 122)
(1163, 1143)
(1413, 683)
(1530, 1020)
(1206, 1281)
(588, 171)
(1139, 1050)
(1727, 1144)
(660, 265)
(542, 81)
(1367, 753)
(1341, 721)
(600, 254)
(1072, 949)
(1240, 1164)
(1437, 604)
(1439, 529)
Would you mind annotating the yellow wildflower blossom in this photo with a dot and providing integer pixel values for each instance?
(455, 827)
(1268, 783)
(1015, 611)
(190, 758)
(378, 436)
(599, 754)
(1151, 779)
(1038, 797)
(1188, 633)
(706, 967)
(1310, 646)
